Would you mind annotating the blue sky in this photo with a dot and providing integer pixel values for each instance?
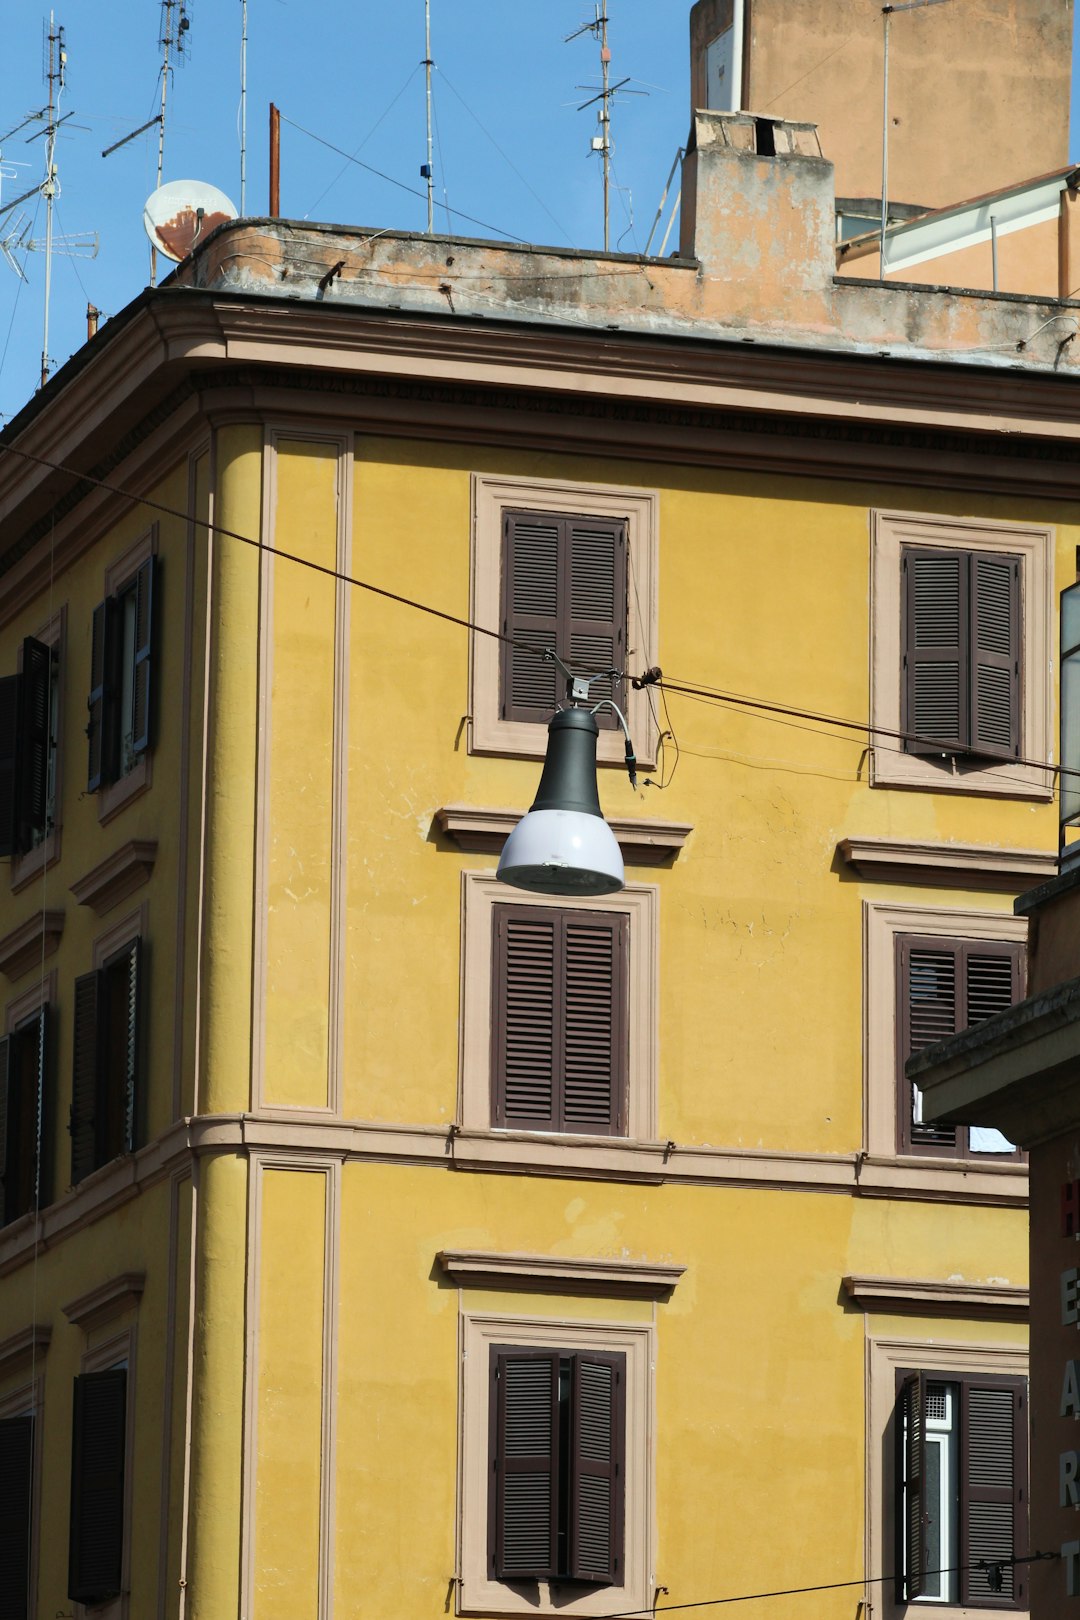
(511, 147)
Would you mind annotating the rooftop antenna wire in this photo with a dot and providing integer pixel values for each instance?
(243, 102)
(887, 14)
(427, 170)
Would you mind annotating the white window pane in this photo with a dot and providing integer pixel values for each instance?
(984, 1139)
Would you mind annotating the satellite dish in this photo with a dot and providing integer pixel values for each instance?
(180, 214)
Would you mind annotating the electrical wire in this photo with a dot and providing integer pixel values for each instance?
(761, 707)
(981, 1565)
(353, 155)
(389, 178)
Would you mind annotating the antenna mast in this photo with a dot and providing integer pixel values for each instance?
(428, 170)
(167, 40)
(602, 143)
(243, 104)
(56, 76)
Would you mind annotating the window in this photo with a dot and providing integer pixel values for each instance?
(120, 726)
(961, 639)
(961, 636)
(571, 567)
(28, 733)
(106, 1101)
(559, 1013)
(16, 1514)
(24, 1124)
(98, 1455)
(558, 1020)
(944, 986)
(557, 1466)
(960, 1451)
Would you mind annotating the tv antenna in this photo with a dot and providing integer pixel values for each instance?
(887, 13)
(602, 143)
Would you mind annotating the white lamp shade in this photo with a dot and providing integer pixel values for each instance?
(562, 852)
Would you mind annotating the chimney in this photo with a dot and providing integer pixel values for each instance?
(758, 204)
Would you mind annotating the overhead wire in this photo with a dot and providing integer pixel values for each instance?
(761, 707)
(352, 156)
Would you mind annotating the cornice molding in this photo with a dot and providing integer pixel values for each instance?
(107, 1300)
(644, 842)
(959, 866)
(117, 876)
(30, 943)
(558, 1274)
(28, 1343)
(927, 1297)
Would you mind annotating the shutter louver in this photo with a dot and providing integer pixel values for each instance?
(932, 992)
(9, 733)
(531, 581)
(84, 1080)
(16, 1498)
(990, 985)
(525, 1473)
(99, 726)
(912, 1486)
(594, 1023)
(523, 1017)
(31, 780)
(596, 1468)
(146, 582)
(995, 675)
(993, 1505)
(96, 1550)
(5, 1113)
(936, 651)
(130, 1055)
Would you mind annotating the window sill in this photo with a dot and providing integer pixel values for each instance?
(951, 1180)
(118, 795)
(25, 868)
(951, 774)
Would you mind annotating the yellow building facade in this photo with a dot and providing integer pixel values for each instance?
(278, 1246)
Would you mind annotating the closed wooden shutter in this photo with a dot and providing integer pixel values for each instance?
(563, 588)
(101, 722)
(38, 1034)
(911, 1488)
(993, 1489)
(961, 635)
(31, 791)
(99, 1426)
(16, 1507)
(525, 1464)
(944, 986)
(597, 1467)
(130, 965)
(995, 676)
(142, 697)
(5, 1116)
(9, 733)
(86, 1068)
(559, 1019)
(25, 1123)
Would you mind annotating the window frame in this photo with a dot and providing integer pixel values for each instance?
(27, 864)
(22, 1015)
(492, 497)
(947, 1360)
(882, 922)
(478, 1591)
(891, 765)
(109, 949)
(1015, 951)
(27, 1399)
(117, 1351)
(639, 903)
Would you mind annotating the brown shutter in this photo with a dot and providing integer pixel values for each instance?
(559, 1020)
(101, 727)
(597, 1467)
(594, 1036)
(523, 1011)
(597, 606)
(525, 1464)
(936, 640)
(31, 781)
(911, 1487)
(16, 1498)
(5, 1119)
(993, 1488)
(38, 1033)
(96, 1547)
(85, 1075)
(533, 579)
(992, 980)
(995, 640)
(9, 733)
(928, 993)
(142, 700)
